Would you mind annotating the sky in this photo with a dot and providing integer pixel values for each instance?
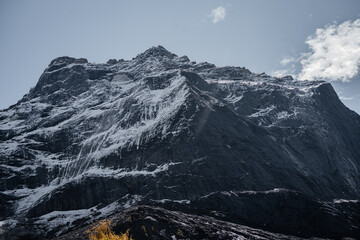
(309, 39)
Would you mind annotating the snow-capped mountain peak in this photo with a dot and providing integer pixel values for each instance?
(162, 128)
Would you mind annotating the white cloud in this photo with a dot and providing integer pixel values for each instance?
(281, 73)
(286, 61)
(334, 53)
(340, 94)
(346, 98)
(218, 14)
(290, 70)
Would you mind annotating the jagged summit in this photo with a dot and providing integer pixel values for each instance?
(156, 52)
(64, 61)
(67, 60)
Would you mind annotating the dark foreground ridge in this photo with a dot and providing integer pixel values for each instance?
(146, 222)
(91, 140)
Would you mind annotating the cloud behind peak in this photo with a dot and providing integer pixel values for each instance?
(334, 54)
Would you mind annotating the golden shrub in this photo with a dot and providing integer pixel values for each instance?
(102, 231)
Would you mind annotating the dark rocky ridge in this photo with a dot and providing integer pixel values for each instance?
(163, 224)
(279, 210)
(161, 127)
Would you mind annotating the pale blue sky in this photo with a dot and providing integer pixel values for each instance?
(256, 34)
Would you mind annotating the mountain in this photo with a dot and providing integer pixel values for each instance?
(90, 140)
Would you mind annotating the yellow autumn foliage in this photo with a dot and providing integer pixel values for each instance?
(102, 231)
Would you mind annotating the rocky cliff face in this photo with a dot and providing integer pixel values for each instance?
(92, 139)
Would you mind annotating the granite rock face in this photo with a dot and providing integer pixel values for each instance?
(98, 138)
